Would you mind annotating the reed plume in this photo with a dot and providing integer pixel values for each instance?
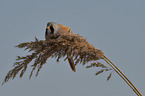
(81, 50)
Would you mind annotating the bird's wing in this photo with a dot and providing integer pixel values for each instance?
(64, 29)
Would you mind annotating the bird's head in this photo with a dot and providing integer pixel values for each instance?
(51, 30)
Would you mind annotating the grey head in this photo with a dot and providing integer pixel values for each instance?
(52, 30)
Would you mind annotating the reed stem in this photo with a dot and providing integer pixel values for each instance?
(122, 75)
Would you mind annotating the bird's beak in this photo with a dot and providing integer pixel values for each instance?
(47, 27)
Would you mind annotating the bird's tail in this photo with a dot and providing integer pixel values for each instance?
(71, 62)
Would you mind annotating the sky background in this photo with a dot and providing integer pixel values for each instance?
(117, 27)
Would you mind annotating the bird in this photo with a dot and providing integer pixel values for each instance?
(54, 30)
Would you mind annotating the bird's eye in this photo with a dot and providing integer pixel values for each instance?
(52, 29)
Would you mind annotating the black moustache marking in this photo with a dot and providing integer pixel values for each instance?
(46, 32)
(52, 29)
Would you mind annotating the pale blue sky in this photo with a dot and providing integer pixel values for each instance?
(117, 27)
